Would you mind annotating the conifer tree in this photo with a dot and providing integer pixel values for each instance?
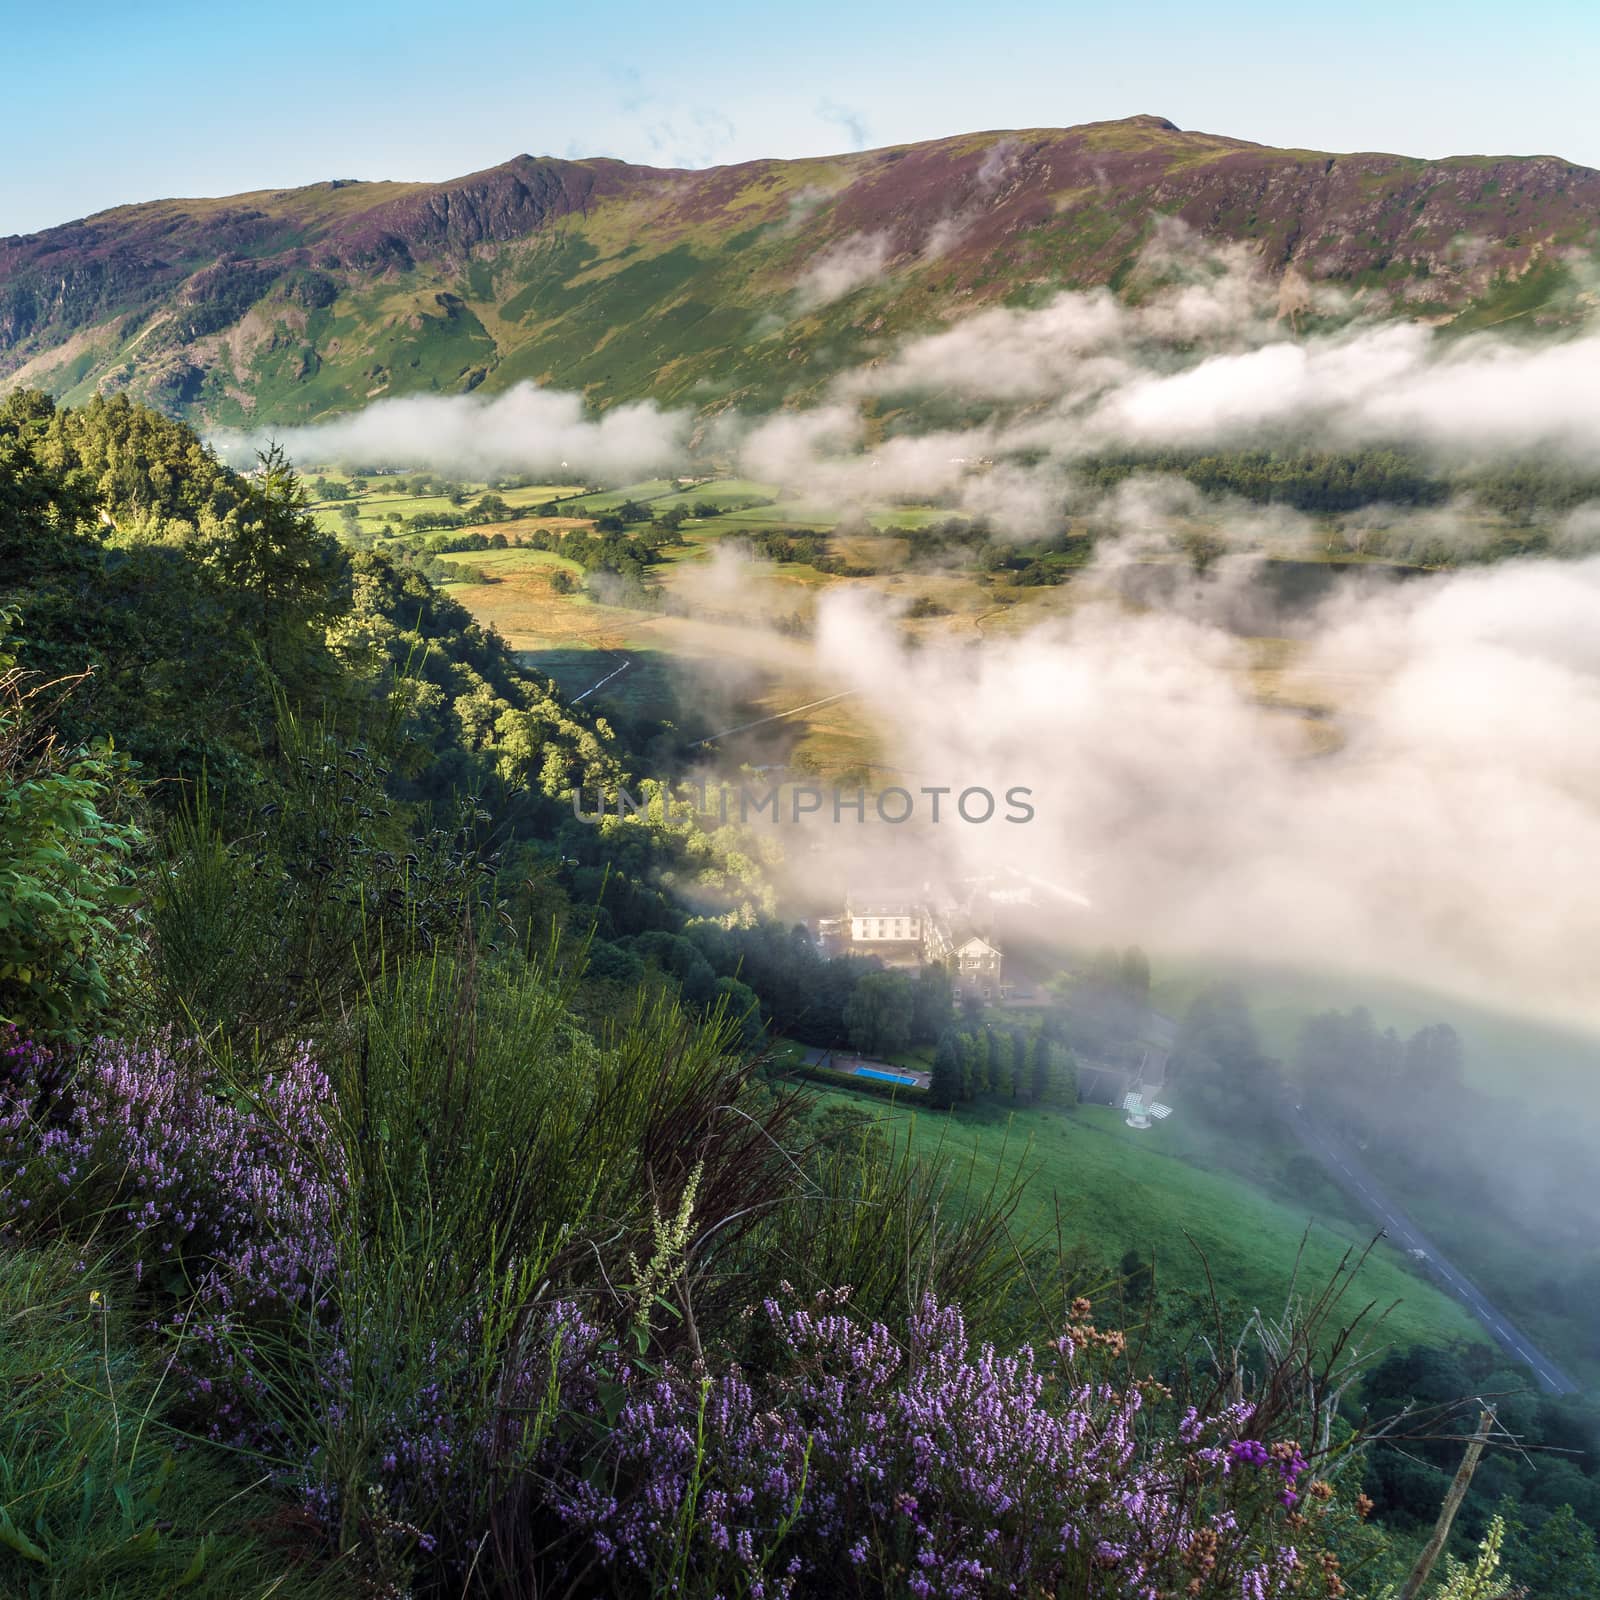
(972, 1065)
(1043, 1062)
(944, 1083)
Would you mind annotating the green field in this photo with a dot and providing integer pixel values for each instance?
(589, 505)
(386, 494)
(1114, 1188)
(538, 621)
(722, 492)
(954, 601)
(503, 565)
(758, 520)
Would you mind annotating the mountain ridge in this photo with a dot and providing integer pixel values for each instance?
(749, 283)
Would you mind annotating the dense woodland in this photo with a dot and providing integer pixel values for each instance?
(396, 1197)
(1331, 481)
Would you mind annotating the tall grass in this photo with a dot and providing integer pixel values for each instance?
(867, 1210)
(99, 1495)
(265, 924)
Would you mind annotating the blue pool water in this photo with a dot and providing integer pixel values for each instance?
(883, 1077)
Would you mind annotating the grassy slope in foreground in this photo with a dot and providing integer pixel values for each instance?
(1118, 1188)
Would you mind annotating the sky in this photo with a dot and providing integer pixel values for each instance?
(107, 103)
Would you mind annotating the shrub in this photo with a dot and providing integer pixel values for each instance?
(229, 1195)
(861, 1462)
(476, 1293)
(65, 865)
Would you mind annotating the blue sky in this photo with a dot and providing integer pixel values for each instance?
(105, 103)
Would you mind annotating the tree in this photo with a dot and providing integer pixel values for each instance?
(933, 1004)
(1019, 1066)
(1347, 1066)
(1103, 970)
(973, 1062)
(997, 1078)
(287, 576)
(1066, 1080)
(1043, 1060)
(1217, 1057)
(1433, 1060)
(944, 1084)
(677, 955)
(1110, 999)
(1557, 1562)
(65, 866)
(1136, 1277)
(743, 1009)
(877, 1017)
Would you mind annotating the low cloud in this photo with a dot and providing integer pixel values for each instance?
(1206, 359)
(1204, 356)
(1437, 835)
(525, 429)
(1393, 383)
(841, 269)
(1432, 819)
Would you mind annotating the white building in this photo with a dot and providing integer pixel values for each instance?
(911, 930)
(885, 922)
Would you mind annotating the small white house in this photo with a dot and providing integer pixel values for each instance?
(977, 965)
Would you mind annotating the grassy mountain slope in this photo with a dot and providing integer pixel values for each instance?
(750, 283)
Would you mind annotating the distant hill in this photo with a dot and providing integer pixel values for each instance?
(746, 284)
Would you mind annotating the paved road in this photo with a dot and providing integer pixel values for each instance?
(1344, 1165)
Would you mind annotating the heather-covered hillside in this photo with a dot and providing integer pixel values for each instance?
(745, 284)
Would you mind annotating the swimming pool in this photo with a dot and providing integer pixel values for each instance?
(883, 1077)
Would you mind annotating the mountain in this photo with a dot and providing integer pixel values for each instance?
(746, 284)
